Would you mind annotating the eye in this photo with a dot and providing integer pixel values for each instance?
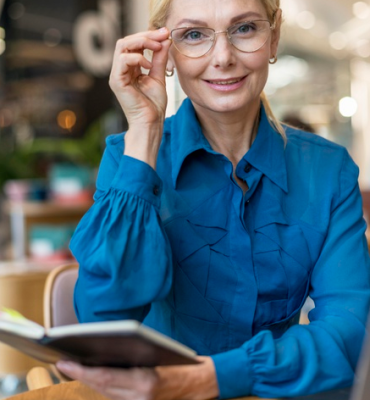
(245, 28)
(194, 35)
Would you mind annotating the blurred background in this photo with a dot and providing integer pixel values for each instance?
(56, 109)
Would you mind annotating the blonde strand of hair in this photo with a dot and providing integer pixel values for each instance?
(274, 122)
(158, 11)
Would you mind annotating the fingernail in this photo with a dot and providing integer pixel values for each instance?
(162, 30)
(65, 365)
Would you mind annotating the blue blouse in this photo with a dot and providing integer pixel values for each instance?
(183, 250)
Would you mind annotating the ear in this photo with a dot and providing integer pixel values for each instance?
(276, 34)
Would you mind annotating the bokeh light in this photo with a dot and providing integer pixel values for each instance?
(347, 106)
(67, 119)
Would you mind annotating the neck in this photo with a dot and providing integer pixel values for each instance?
(230, 134)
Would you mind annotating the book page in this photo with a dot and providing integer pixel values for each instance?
(14, 322)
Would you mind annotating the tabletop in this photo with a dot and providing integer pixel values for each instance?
(71, 391)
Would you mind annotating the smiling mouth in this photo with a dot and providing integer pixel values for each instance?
(226, 82)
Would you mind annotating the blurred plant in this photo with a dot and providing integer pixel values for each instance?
(86, 150)
(19, 164)
(31, 160)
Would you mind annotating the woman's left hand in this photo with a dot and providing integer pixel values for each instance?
(196, 382)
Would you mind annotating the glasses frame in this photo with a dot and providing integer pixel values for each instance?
(215, 33)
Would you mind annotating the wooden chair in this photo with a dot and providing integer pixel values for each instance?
(58, 296)
(58, 310)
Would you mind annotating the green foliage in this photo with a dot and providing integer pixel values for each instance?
(24, 162)
(86, 151)
(19, 164)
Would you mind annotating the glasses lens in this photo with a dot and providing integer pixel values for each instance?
(193, 42)
(249, 36)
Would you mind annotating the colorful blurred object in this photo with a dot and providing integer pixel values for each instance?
(26, 189)
(71, 183)
(50, 242)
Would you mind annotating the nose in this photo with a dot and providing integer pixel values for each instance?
(223, 51)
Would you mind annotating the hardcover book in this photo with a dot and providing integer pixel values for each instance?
(122, 344)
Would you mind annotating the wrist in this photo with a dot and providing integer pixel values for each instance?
(143, 142)
(197, 382)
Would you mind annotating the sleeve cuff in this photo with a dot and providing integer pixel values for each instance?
(234, 374)
(140, 179)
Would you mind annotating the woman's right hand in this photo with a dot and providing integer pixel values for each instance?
(142, 97)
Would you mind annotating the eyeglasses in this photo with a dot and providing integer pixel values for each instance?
(247, 37)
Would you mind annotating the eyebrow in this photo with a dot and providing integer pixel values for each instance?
(239, 17)
(248, 14)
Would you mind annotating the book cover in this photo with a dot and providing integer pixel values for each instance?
(122, 344)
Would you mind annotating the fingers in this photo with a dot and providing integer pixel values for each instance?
(135, 383)
(73, 370)
(150, 40)
(159, 62)
(136, 44)
(130, 62)
(128, 55)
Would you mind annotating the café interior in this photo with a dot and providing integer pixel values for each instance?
(56, 110)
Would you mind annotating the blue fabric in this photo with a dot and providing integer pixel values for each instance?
(182, 250)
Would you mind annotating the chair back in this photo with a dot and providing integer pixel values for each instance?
(58, 296)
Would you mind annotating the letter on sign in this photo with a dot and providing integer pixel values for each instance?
(95, 35)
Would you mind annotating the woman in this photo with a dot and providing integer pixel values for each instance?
(214, 225)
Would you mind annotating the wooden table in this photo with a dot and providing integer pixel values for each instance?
(70, 391)
(22, 288)
(63, 391)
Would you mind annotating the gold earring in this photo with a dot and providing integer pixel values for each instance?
(273, 60)
(169, 73)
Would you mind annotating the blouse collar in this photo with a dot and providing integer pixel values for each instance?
(266, 153)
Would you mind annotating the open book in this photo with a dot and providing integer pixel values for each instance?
(112, 344)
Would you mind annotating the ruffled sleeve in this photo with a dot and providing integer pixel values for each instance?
(322, 355)
(120, 244)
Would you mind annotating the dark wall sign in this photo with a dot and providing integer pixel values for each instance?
(55, 67)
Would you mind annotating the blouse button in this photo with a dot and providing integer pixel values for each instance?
(156, 190)
(247, 168)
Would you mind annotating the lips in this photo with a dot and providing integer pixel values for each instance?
(225, 81)
(229, 85)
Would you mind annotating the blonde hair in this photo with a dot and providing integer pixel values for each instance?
(159, 11)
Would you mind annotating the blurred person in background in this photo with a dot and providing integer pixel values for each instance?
(294, 121)
(213, 226)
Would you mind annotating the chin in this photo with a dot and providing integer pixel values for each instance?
(230, 106)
